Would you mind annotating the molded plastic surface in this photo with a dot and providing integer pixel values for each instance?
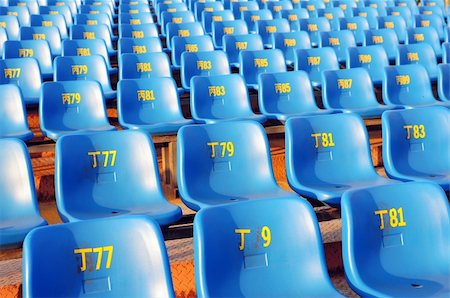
(233, 44)
(51, 34)
(13, 118)
(200, 43)
(444, 82)
(288, 42)
(339, 41)
(315, 61)
(386, 38)
(373, 58)
(418, 53)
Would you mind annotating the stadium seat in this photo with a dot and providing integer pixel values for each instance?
(427, 35)
(418, 53)
(288, 42)
(138, 45)
(20, 213)
(294, 16)
(21, 12)
(25, 73)
(328, 155)
(72, 107)
(202, 64)
(208, 17)
(51, 34)
(312, 6)
(55, 9)
(373, 58)
(267, 28)
(314, 27)
(135, 18)
(220, 29)
(236, 256)
(13, 118)
(219, 167)
(87, 259)
(252, 16)
(332, 14)
(339, 41)
(238, 7)
(97, 9)
(37, 49)
(346, 6)
(416, 144)
(47, 20)
(70, 3)
(315, 61)
(200, 7)
(403, 11)
(276, 7)
(32, 5)
(120, 176)
(137, 66)
(177, 17)
(150, 104)
(380, 5)
(369, 13)
(183, 30)
(11, 25)
(253, 63)
(233, 44)
(191, 3)
(93, 32)
(395, 239)
(411, 4)
(81, 68)
(134, 8)
(435, 10)
(397, 23)
(356, 25)
(200, 43)
(286, 94)
(443, 82)
(384, 37)
(170, 7)
(221, 97)
(96, 19)
(138, 31)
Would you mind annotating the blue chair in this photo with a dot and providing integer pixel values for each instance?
(47, 20)
(277, 6)
(332, 14)
(403, 11)
(191, 3)
(70, 3)
(183, 30)
(138, 45)
(202, 64)
(13, 117)
(37, 49)
(386, 38)
(324, 160)
(56, 9)
(177, 17)
(397, 23)
(200, 7)
(97, 9)
(120, 176)
(138, 66)
(286, 94)
(238, 7)
(233, 44)
(339, 41)
(208, 17)
(93, 32)
(288, 42)
(51, 34)
(72, 107)
(81, 68)
(252, 16)
(439, 11)
(168, 7)
(418, 53)
(379, 5)
(443, 79)
(219, 167)
(356, 25)
(3, 38)
(416, 144)
(411, 4)
(253, 63)
(88, 47)
(25, 73)
(96, 19)
(373, 58)
(316, 61)
(233, 247)
(386, 229)
(11, 25)
(21, 12)
(220, 29)
(370, 13)
(20, 213)
(138, 31)
(314, 27)
(427, 35)
(135, 18)
(312, 7)
(294, 16)
(200, 43)
(346, 6)
(221, 97)
(76, 254)
(433, 3)
(150, 104)
(134, 8)
(267, 28)
(32, 5)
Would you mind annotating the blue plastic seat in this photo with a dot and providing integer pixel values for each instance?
(416, 143)
(208, 17)
(112, 5)
(47, 20)
(403, 11)
(339, 41)
(443, 82)
(199, 7)
(312, 6)
(286, 94)
(220, 29)
(13, 118)
(37, 49)
(25, 73)
(324, 160)
(21, 12)
(135, 18)
(168, 7)
(32, 5)
(356, 25)
(238, 7)
(373, 58)
(233, 44)
(386, 38)
(397, 23)
(411, 4)
(56, 9)
(236, 256)
(253, 63)
(134, 8)
(315, 61)
(177, 17)
(219, 167)
(435, 21)
(72, 107)
(20, 213)
(433, 3)
(76, 254)
(93, 32)
(429, 10)
(51, 34)
(11, 25)
(138, 45)
(252, 16)
(120, 176)
(332, 14)
(222, 97)
(267, 28)
(315, 26)
(138, 66)
(183, 30)
(418, 53)
(202, 64)
(138, 31)
(369, 13)
(385, 232)
(380, 5)
(96, 19)
(288, 42)
(277, 6)
(97, 9)
(427, 35)
(294, 16)
(70, 3)
(150, 104)
(200, 43)
(81, 68)
(191, 3)
(346, 5)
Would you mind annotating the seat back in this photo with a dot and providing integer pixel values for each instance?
(200, 7)
(220, 29)
(411, 4)
(78, 253)
(86, 47)
(138, 45)
(315, 61)
(183, 30)
(169, 7)
(11, 25)
(32, 5)
(340, 41)
(92, 32)
(394, 22)
(200, 43)
(267, 28)
(238, 7)
(427, 35)
(70, 3)
(134, 8)
(208, 17)
(56, 9)
(403, 11)
(97, 9)
(384, 37)
(418, 53)
(312, 7)
(13, 118)
(356, 25)
(432, 20)
(252, 16)
(333, 14)
(314, 26)
(51, 34)
(379, 5)
(253, 63)
(443, 79)
(233, 44)
(94, 19)
(370, 13)
(373, 58)
(138, 31)
(136, 66)
(277, 6)
(47, 20)
(21, 12)
(288, 42)
(176, 17)
(135, 18)
(294, 16)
